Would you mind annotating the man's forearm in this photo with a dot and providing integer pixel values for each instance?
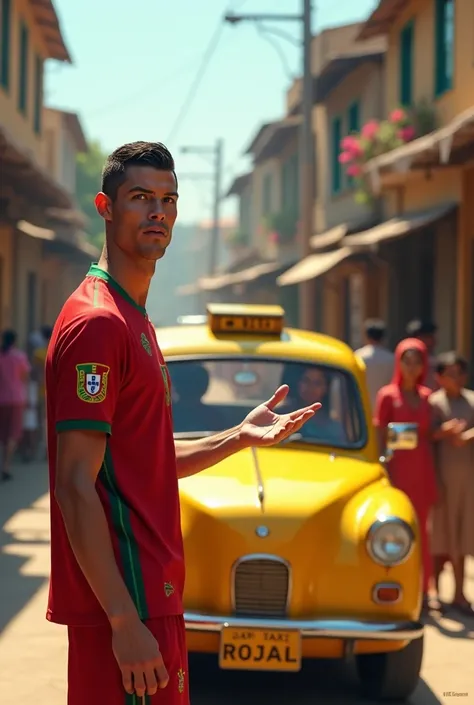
(197, 455)
(89, 536)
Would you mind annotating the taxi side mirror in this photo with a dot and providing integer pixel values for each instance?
(402, 436)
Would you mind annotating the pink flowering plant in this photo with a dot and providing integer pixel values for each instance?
(375, 138)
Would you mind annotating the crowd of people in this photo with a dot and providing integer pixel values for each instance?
(22, 398)
(413, 385)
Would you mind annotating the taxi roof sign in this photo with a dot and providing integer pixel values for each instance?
(245, 319)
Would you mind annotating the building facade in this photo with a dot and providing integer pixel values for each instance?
(36, 197)
(430, 71)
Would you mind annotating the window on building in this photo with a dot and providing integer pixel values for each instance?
(267, 194)
(290, 182)
(38, 107)
(353, 127)
(23, 69)
(444, 46)
(5, 34)
(407, 38)
(353, 118)
(336, 134)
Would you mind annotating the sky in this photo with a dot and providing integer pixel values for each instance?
(134, 66)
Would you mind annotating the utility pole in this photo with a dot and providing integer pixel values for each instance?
(306, 143)
(217, 153)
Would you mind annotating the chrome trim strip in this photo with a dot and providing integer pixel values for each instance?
(387, 585)
(259, 557)
(260, 485)
(375, 526)
(317, 628)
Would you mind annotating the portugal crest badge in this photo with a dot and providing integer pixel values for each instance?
(92, 382)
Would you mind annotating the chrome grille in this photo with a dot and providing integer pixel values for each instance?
(261, 587)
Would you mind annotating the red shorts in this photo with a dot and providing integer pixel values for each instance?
(94, 677)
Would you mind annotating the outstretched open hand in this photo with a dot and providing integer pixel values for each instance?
(264, 427)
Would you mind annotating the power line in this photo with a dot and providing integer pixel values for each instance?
(191, 62)
(206, 60)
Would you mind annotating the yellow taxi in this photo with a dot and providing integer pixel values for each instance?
(303, 550)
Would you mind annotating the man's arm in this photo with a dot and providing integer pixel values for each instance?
(197, 455)
(262, 427)
(79, 459)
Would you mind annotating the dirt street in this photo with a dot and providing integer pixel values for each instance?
(33, 653)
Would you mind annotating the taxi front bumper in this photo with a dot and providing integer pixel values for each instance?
(352, 629)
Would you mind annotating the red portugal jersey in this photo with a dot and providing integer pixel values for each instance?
(105, 372)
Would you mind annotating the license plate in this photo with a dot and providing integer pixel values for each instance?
(260, 649)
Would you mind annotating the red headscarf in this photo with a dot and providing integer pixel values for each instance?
(402, 347)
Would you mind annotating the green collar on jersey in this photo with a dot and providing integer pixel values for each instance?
(96, 271)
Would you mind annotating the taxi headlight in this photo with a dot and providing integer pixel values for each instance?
(390, 541)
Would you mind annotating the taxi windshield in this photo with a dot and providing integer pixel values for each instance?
(213, 394)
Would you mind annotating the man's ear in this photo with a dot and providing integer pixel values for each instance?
(104, 206)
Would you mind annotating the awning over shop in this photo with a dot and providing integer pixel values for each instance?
(239, 184)
(333, 238)
(450, 145)
(25, 174)
(57, 243)
(246, 259)
(35, 230)
(330, 238)
(272, 138)
(398, 227)
(188, 289)
(244, 276)
(314, 266)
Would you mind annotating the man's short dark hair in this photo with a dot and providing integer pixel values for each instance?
(419, 327)
(448, 359)
(152, 154)
(375, 329)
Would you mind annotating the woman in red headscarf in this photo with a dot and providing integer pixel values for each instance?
(412, 471)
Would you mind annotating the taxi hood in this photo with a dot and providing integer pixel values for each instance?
(284, 481)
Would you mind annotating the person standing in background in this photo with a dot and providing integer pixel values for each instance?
(453, 516)
(39, 360)
(14, 372)
(426, 331)
(405, 400)
(378, 359)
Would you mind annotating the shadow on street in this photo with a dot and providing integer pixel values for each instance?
(452, 625)
(18, 499)
(327, 681)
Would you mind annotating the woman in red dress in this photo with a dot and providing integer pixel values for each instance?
(412, 471)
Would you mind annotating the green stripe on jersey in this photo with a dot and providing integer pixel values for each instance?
(129, 553)
(137, 699)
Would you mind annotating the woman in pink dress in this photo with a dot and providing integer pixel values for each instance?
(412, 471)
(14, 371)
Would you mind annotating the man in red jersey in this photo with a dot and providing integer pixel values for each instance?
(117, 566)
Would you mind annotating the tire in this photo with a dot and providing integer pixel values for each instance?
(393, 675)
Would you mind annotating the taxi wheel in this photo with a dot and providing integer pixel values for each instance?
(391, 676)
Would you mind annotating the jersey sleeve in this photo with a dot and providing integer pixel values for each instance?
(89, 366)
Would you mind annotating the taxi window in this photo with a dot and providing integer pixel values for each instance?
(210, 395)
